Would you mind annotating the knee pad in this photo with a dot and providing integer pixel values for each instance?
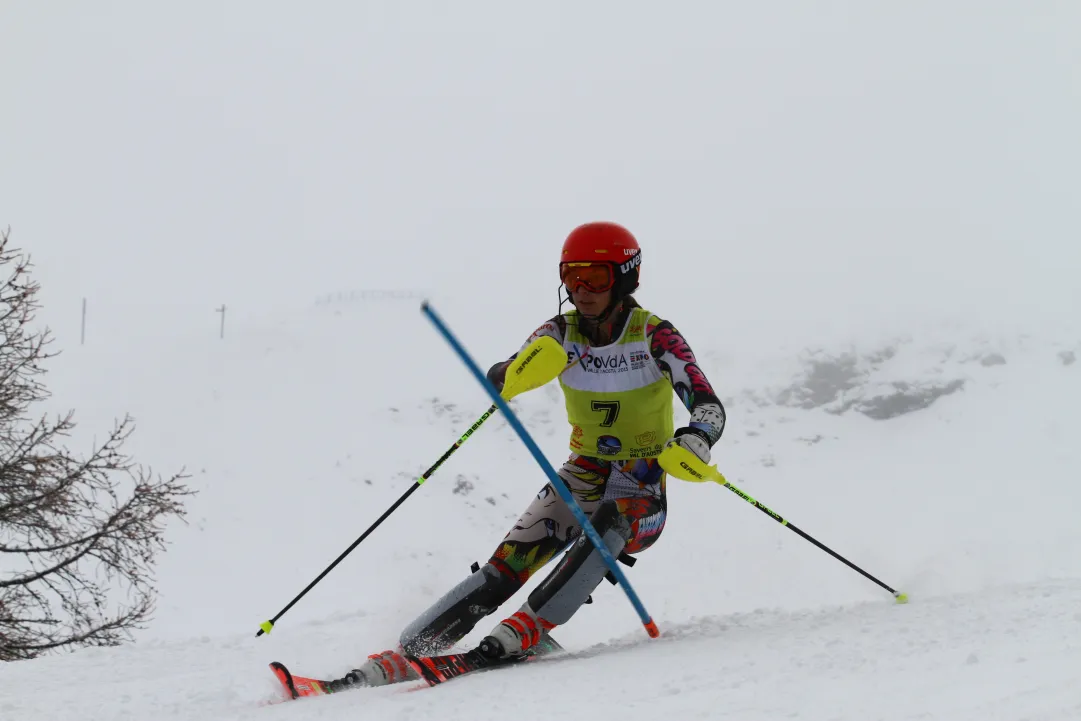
(454, 615)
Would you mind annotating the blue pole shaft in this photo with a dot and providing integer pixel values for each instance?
(557, 482)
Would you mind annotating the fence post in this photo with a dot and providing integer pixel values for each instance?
(222, 311)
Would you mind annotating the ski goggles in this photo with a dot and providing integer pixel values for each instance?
(595, 277)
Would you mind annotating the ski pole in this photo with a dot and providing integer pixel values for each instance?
(556, 481)
(686, 466)
(539, 363)
(268, 625)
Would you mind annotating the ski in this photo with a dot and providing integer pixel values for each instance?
(434, 670)
(298, 686)
(439, 669)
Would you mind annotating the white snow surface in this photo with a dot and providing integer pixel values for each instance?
(298, 435)
(863, 216)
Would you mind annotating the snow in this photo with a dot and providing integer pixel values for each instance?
(862, 217)
(1009, 653)
(971, 514)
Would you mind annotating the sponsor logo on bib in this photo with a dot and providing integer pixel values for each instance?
(609, 445)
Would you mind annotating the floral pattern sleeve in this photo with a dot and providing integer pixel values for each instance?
(677, 362)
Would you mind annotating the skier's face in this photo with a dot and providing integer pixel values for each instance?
(589, 303)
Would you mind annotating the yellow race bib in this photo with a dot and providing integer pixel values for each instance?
(618, 402)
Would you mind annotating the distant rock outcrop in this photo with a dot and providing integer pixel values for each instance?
(907, 398)
(848, 381)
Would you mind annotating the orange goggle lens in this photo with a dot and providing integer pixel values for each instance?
(596, 277)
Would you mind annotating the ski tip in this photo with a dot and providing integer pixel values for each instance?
(651, 629)
(285, 678)
(901, 597)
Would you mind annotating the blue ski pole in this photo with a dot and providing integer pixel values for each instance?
(557, 482)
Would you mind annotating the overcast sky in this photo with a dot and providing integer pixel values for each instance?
(781, 163)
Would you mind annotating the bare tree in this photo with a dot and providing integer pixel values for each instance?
(78, 535)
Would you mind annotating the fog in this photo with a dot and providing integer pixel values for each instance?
(792, 170)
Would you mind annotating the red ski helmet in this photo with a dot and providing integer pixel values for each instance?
(601, 245)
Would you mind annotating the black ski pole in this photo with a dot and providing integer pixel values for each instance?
(684, 465)
(901, 597)
(268, 625)
(542, 361)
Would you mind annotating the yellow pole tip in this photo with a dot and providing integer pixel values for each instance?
(266, 626)
(902, 598)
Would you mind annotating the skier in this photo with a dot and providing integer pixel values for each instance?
(620, 409)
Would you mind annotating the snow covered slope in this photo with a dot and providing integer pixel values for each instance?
(942, 461)
(1006, 654)
(863, 216)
